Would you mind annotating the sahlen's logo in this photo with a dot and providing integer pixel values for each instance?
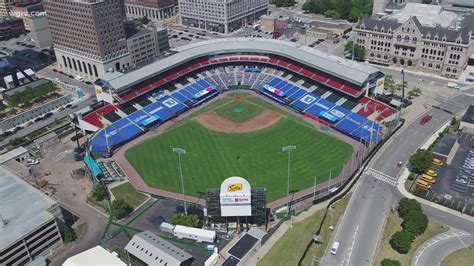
(234, 187)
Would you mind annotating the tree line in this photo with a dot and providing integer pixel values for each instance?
(351, 10)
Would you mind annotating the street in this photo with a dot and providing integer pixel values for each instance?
(361, 226)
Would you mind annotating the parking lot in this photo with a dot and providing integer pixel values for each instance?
(21, 52)
(447, 190)
(296, 32)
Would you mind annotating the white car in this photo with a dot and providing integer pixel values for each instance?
(32, 162)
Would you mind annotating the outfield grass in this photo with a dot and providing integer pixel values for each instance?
(459, 257)
(212, 156)
(129, 194)
(238, 111)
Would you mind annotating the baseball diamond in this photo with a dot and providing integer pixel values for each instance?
(213, 155)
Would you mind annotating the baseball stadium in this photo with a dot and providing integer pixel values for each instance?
(229, 107)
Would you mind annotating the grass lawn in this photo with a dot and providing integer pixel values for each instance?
(129, 194)
(79, 229)
(460, 257)
(239, 112)
(394, 224)
(212, 156)
(319, 249)
(290, 247)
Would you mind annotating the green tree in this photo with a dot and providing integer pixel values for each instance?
(401, 241)
(69, 235)
(389, 262)
(389, 84)
(144, 20)
(421, 161)
(415, 223)
(120, 208)
(359, 51)
(332, 14)
(407, 206)
(98, 192)
(190, 220)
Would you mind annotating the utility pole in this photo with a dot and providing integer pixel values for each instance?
(288, 149)
(180, 151)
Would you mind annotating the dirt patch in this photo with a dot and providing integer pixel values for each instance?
(239, 98)
(213, 121)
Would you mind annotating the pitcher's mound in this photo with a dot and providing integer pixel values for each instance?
(213, 121)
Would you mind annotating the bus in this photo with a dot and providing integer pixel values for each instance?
(437, 162)
(428, 179)
(423, 184)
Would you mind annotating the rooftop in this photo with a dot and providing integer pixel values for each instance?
(23, 207)
(135, 29)
(243, 246)
(469, 115)
(445, 145)
(29, 85)
(328, 25)
(428, 15)
(94, 256)
(19, 75)
(150, 244)
(12, 154)
(351, 71)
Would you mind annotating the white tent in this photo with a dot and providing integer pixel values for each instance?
(94, 256)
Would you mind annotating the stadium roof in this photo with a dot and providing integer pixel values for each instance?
(351, 71)
(22, 207)
(94, 256)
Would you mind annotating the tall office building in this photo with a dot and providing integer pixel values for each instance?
(153, 9)
(88, 36)
(222, 16)
(5, 7)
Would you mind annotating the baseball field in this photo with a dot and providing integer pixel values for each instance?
(239, 135)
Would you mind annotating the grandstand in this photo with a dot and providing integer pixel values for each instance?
(326, 88)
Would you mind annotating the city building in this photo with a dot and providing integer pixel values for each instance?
(335, 28)
(11, 27)
(423, 37)
(154, 250)
(94, 256)
(153, 9)
(221, 16)
(88, 36)
(22, 79)
(5, 7)
(460, 3)
(467, 121)
(163, 40)
(34, 19)
(143, 42)
(318, 33)
(19, 154)
(273, 23)
(30, 221)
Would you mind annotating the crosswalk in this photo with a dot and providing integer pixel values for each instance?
(381, 176)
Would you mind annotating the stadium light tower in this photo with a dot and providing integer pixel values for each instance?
(180, 151)
(288, 149)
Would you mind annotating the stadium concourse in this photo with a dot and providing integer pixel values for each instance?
(328, 89)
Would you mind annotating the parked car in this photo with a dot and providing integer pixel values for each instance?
(425, 119)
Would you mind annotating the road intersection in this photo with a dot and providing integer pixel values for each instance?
(375, 194)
